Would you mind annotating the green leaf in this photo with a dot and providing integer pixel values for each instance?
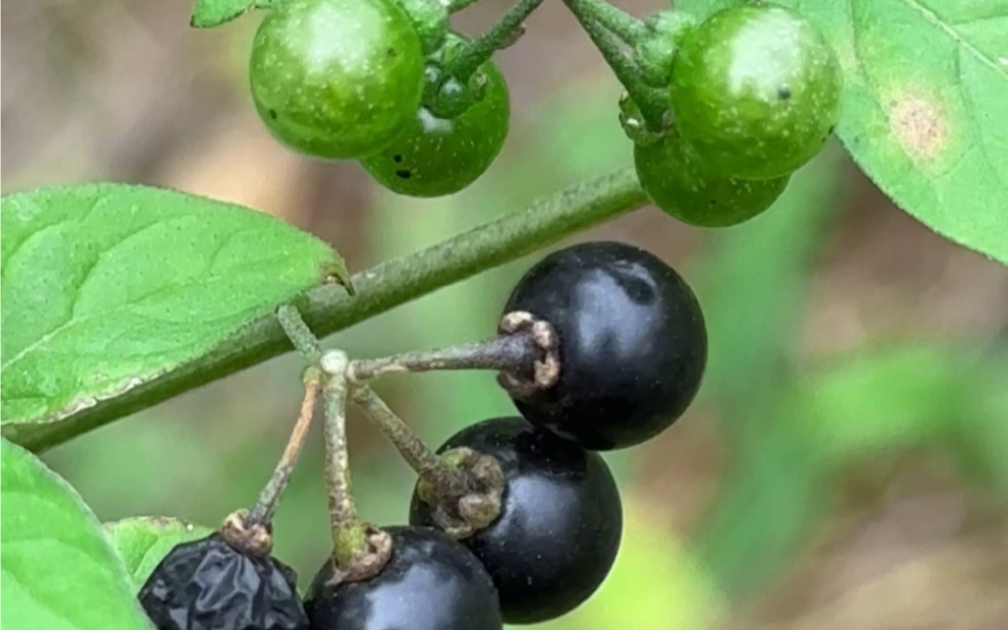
(923, 111)
(107, 287)
(211, 13)
(59, 571)
(144, 541)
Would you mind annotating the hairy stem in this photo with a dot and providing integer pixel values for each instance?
(300, 335)
(625, 26)
(262, 512)
(328, 309)
(483, 48)
(349, 534)
(416, 453)
(650, 102)
(506, 352)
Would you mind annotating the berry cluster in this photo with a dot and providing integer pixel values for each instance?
(513, 520)
(721, 113)
(601, 346)
(754, 94)
(383, 82)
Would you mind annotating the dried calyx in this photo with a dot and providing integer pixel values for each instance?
(466, 496)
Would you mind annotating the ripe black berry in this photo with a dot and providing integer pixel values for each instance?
(208, 585)
(431, 582)
(633, 345)
(560, 523)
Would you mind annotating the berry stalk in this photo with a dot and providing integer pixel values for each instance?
(516, 353)
(303, 339)
(651, 103)
(498, 36)
(417, 454)
(465, 487)
(349, 534)
(264, 508)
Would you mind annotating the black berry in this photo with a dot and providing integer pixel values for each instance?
(208, 585)
(633, 345)
(560, 524)
(431, 582)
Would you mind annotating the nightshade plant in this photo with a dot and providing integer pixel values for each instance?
(118, 297)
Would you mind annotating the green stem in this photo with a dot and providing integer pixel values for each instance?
(454, 6)
(478, 51)
(625, 26)
(651, 103)
(299, 333)
(349, 534)
(328, 308)
(264, 508)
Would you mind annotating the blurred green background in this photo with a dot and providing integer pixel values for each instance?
(846, 465)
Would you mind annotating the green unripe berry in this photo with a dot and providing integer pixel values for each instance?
(336, 79)
(756, 90)
(676, 180)
(437, 155)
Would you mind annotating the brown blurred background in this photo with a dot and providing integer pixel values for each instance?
(898, 539)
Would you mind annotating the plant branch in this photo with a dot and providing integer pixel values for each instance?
(478, 51)
(328, 308)
(262, 512)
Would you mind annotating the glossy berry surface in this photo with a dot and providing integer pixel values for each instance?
(336, 78)
(678, 183)
(437, 155)
(756, 90)
(208, 585)
(431, 582)
(560, 524)
(633, 345)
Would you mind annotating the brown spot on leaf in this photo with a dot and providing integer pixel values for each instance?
(920, 126)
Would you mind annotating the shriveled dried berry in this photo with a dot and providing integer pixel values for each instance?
(208, 585)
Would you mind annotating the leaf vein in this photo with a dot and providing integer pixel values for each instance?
(928, 14)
